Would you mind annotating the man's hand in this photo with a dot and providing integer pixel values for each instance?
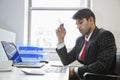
(60, 32)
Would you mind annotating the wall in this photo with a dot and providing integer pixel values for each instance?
(12, 17)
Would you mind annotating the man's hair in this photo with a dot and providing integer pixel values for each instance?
(84, 13)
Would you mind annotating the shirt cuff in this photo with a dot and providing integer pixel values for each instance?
(61, 45)
(76, 72)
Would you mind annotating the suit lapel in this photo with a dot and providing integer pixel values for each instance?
(93, 36)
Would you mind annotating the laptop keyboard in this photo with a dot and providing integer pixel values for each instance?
(56, 70)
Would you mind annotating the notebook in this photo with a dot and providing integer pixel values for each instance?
(13, 54)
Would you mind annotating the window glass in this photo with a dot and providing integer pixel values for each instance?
(44, 24)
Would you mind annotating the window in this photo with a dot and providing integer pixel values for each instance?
(43, 21)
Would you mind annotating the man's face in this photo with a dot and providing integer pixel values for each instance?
(83, 26)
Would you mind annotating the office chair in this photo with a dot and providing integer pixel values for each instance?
(93, 76)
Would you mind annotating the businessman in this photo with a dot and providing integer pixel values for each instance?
(95, 49)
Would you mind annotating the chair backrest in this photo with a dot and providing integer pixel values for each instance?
(117, 68)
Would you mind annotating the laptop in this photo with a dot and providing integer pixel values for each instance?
(13, 54)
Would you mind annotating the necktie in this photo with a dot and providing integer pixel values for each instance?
(84, 51)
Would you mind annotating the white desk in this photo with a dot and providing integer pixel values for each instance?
(17, 74)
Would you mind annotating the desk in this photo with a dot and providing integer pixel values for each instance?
(17, 74)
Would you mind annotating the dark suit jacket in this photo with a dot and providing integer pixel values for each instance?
(100, 56)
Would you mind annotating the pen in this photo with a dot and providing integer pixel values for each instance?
(61, 23)
(56, 65)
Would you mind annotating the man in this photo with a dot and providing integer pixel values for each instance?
(95, 49)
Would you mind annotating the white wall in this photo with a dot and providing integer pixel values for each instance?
(12, 17)
(107, 16)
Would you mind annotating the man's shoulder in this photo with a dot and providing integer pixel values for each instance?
(101, 33)
(104, 31)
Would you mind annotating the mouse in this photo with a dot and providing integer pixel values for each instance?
(44, 61)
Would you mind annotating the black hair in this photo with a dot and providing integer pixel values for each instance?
(84, 13)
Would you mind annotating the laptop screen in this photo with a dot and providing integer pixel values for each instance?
(11, 51)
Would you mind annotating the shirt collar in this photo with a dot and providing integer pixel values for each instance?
(87, 38)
